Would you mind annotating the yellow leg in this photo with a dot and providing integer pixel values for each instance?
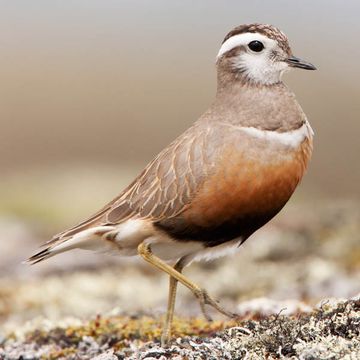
(166, 333)
(145, 252)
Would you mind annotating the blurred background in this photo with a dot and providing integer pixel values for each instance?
(91, 90)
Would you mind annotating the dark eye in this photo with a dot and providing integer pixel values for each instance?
(256, 46)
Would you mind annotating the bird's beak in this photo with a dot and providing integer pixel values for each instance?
(298, 63)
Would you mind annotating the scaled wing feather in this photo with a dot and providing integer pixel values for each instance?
(162, 190)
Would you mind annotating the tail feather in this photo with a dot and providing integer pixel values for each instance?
(90, 239)
(40, 256)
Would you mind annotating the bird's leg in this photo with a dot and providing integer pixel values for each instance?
(145, 252)
(166, 333)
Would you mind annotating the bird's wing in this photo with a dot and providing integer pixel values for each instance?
(165, 186)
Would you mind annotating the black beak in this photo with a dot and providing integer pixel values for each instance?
(298, 63)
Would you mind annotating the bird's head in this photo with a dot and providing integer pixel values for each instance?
(257, 54)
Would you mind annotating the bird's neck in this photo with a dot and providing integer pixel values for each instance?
(230, 81)
(268, 107)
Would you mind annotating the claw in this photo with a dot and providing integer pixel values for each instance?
(206, 299)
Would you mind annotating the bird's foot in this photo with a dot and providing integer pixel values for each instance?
(206, 299)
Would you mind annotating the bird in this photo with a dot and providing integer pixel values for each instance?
(218, 182)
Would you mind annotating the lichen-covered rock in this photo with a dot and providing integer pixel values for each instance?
(330, 332)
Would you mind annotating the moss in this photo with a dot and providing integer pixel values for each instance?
(116, 332)
(331, 332)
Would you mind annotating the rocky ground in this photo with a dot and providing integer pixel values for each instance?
(330, 332)
(283, 284)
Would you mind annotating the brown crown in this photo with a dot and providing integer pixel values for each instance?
(270, 31)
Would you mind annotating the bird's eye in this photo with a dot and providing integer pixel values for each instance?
(256, 46)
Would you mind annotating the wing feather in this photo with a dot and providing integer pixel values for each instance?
(163, 189)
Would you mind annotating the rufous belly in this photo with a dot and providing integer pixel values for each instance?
(241, 195)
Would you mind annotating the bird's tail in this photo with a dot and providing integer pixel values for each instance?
(89, 239)
(40, 256)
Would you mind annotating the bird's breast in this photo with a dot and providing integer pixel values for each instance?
(251, 179)
(249, 185)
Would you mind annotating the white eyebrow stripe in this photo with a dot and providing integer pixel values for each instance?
(241, 39)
